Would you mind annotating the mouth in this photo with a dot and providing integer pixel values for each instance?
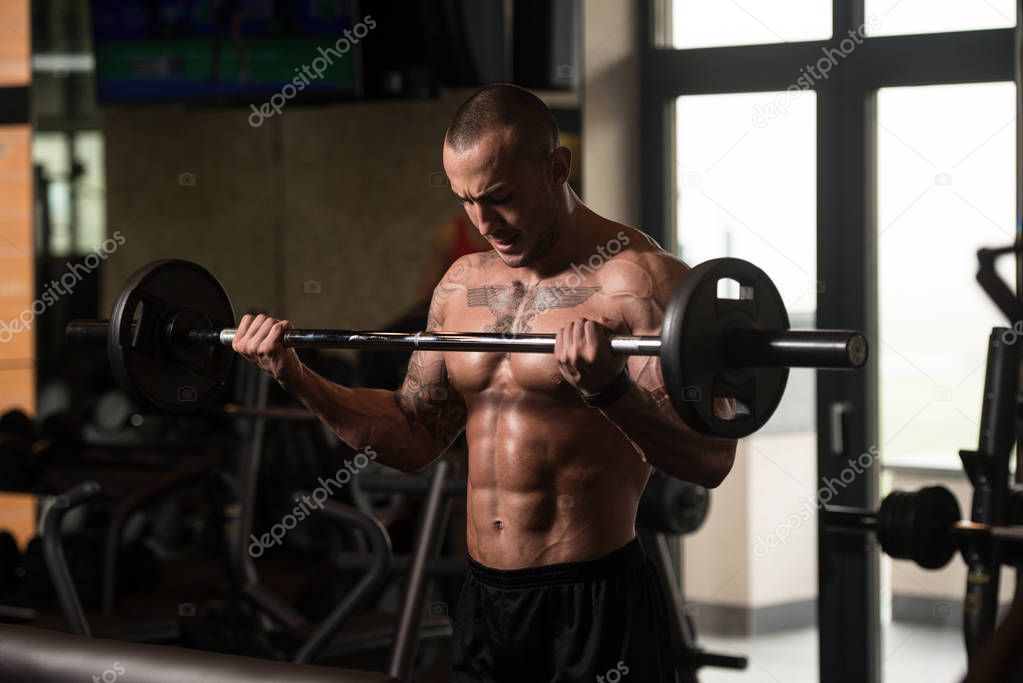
(505, 242)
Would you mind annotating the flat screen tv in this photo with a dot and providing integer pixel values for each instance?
(227, 51)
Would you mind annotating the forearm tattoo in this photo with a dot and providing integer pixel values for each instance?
(426, 397)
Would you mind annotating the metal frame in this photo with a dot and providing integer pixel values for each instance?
(14, 105)
(849, 615)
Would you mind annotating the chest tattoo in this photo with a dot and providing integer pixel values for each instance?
(515, 306)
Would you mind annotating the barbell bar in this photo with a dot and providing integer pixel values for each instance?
(825, 349)
(171, 328)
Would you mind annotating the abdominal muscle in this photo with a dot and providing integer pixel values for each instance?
(548, 482)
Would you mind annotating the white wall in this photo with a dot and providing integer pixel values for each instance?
(610, 109)
(767, 496)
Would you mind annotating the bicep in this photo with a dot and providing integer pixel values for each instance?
(427, 399)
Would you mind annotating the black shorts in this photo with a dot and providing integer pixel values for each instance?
(601, 620)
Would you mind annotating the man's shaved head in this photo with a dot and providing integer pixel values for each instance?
(505, 107)
(507, 167)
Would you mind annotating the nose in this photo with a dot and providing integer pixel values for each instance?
(486, 219)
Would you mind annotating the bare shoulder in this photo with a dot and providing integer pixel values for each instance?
(642, 269)
(456, 280)
(467, 270)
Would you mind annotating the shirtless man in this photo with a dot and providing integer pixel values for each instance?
(560, 446)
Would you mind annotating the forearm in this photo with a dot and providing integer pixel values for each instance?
(665, 441)
(364, 417)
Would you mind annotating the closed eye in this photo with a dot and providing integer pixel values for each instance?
(486, 199)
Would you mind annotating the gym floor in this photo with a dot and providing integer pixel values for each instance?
(911, 653)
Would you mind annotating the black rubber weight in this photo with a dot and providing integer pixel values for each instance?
(157, 366)
(918, 526)
(693, 359)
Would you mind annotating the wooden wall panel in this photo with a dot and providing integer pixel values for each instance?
(17, 346)
(17, 340)
(15, 43)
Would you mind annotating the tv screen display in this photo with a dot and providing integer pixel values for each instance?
(238, 51)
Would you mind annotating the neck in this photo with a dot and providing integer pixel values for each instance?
(571, 226)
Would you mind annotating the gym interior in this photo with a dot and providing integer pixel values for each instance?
(848, 171)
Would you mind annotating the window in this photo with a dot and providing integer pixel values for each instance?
(946, 187)
(894, 17)
(76, 203)
(716, 23)
(913, 173)
(745, 187)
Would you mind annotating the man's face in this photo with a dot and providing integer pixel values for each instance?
(506, 195)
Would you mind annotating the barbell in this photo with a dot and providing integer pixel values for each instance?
(170, 330)
(910, 525)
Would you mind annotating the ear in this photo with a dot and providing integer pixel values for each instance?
(559, 165)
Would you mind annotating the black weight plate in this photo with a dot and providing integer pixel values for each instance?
(895, 521)
(693, 362)
(935, 514)
(175, 378)
(918, 526)
(935, 542)
(672, 506)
